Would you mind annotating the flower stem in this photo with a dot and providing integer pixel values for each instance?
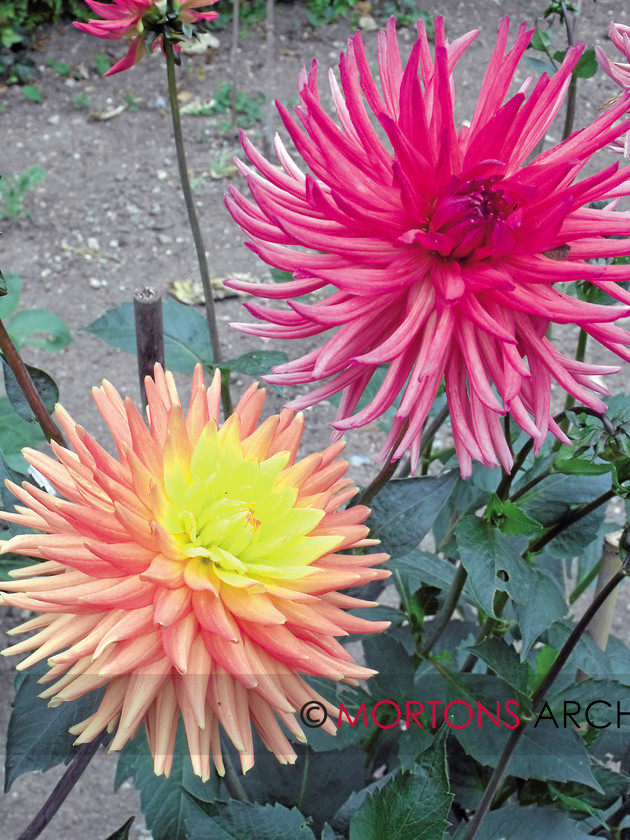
(503, 490)
(569, 519)
(192, 218)
(537, 701)
(445, 613)
(377, 484)
(23, 377)
(579, 357)
(61, 790)
(428, 435)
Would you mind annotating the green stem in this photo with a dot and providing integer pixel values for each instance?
(579, 357)
(503, 490)
(377, 484)
(572, 94)
(445, 613)
(192, 218)
(428, 436)
(569, 519)
(584, 584)
(537, 702)
(23, 377)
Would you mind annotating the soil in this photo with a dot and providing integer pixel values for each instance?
(109, 218)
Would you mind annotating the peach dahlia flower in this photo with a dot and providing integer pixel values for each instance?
(440, 246)
(195, 574)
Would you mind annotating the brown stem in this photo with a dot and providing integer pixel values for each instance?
(385, 474)
(537, 701)
(61, 790)
(147, 310)
(14, 360)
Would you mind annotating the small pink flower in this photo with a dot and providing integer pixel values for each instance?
(619, 73)
(443, 245)
(135, 18)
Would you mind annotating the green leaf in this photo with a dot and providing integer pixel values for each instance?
(186, 341)
(123, 831)
(164, 801)
(318, 784)
(541, 603)
(420, 567)
(394, 680)
(544, 752)
(540, 65)
(509, 518)
(44, 384)
(10, 562)
(9, 302)
(404, 510)
(60, 66)
(587, 65)
(41, 328)
(541, 40)
(37, 736)
(529, 823)
(491, 560)
(15, 434)
(31, 92)
(256, 363)
(504, 661)
(581, 466)
(7, 472)
(412, 806)
(102, 64)
(247, 821)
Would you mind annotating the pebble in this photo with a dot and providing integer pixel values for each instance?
(95, 283)
(359, 461)
(164, 238)
(54, 119)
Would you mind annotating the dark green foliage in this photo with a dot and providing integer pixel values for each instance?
(18, 22)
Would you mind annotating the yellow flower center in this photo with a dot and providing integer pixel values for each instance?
(233, 518)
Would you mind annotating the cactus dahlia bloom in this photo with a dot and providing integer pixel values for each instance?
(198, 573)
(442, 246)
(138, 19)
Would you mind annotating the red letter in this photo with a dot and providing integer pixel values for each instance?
(413, 715)
(461, 725)
(510, 712)
(433, 704)
(496, 722)
(386, 725)
(344, 711)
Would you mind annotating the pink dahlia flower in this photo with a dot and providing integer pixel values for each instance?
(197, 574)
(444, 245)
(135, 19)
